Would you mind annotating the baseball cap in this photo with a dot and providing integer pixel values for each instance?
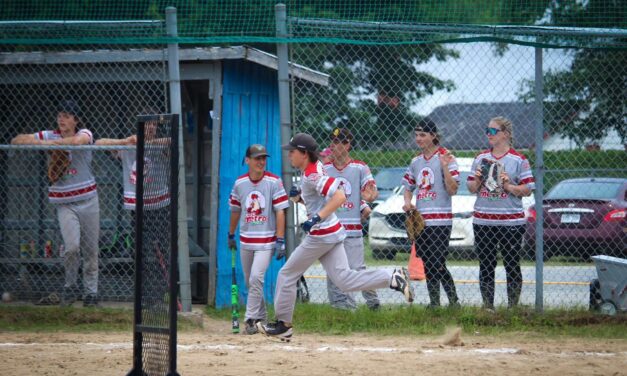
(325, 152)
(341, 134)
(426, 125)
(69, 106)
(256, 150)
(302, 142)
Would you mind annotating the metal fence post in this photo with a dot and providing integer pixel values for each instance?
(539, 177)
(285, 113)
(175, 108)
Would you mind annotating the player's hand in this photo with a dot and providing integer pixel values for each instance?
(131, 140)
(294, 193)
(446, 158)
(408, 206)
(279, 248)
(311, 222)
(231, 243)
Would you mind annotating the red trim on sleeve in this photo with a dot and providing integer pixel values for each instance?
(279, 200)
(235, 203)
(527, 181)
(327, 186)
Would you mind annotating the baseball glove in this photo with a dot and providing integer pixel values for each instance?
(414, 224)
(58, 165)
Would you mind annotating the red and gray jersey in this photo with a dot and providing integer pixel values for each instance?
(78, 183)
(353, 178)
(424, 176)
(316, 187)
(156, 177)
(257, 201)
(500, 208)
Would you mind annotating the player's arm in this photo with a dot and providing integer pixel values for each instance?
(365, 213)
(474, 181)
(25, 139)
(333, 204)
(235, 215)
(450, 183)
(407, 195)
(130, 140)
(77, 139)
(280, 223)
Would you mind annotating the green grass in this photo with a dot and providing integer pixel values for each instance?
(417, 320)
(69, 319)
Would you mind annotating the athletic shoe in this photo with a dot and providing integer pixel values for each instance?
(251, 326)
(68, 297)
(400, 282)
(275, 329)
(90, 300)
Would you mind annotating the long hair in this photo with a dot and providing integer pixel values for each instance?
(506, 125)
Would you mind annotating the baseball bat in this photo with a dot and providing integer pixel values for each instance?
(234, 296)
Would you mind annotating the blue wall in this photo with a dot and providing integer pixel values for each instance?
(250, 115)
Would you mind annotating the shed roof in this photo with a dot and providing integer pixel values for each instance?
(145, 55)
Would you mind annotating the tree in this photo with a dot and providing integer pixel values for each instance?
(594, 91)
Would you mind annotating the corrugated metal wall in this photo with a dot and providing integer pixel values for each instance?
(250, 114)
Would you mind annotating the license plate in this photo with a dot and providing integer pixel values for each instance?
(571, 218)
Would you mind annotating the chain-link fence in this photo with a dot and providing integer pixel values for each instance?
(42, 228)
(383, 93)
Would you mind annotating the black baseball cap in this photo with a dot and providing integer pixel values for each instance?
(69, 106)
(341, 134)
(302, 142)
(426, 125)
(256, 150)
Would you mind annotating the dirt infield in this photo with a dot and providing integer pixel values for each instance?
(213, 350)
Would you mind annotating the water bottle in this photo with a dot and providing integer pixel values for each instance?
(48, 249)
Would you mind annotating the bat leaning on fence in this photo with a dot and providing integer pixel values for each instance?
(234, 295)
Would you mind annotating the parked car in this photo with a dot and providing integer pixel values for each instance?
(387, 234)
(387, 178)
(583, 217)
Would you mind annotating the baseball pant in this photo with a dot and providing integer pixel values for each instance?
(80, 229)
(254, 265)
(332, 256)
(354, 248)
(432, 247)
(488, 239)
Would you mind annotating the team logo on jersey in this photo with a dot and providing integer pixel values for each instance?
(425, 181)
(147, 178)
(345, 185)
(255, 204)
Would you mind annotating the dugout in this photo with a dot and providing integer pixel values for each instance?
(229, 100)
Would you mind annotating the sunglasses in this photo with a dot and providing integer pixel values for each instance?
(492, 131)
(344, 142)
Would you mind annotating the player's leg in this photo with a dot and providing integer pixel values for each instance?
(69, 224)
(255, 306)
(425, 248)
(89, 213)
(511, 239)
(485, 247)
(335, 264)
(441, 237)
(354, 248)
(338, 298)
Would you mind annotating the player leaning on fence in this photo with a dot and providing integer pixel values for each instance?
(434, 177)
(73, 191)
(357, 182)
(324, 241)
(257, 203)
(502, 177)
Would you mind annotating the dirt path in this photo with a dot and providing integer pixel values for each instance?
(213, 350)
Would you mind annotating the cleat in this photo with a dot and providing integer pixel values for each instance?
(251, 326)
(91, 300)
(276, 329)
(68, 297)
(400, 282)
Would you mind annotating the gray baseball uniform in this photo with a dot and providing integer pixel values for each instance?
(258, 202)
(156, 171)
(78, 212)
(353, 178)
(325, 243)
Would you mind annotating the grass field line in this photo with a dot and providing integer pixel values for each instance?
(473, 281)
(314, 349)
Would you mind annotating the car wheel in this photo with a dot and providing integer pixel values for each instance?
(383, 254)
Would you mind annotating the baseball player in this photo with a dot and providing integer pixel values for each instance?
(75, 196)
(498, 219)
(324, 241)
(357, 182)
(434, 177)
(258, 202)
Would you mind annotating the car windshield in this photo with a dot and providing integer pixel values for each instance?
(389, 178)
(585, 190)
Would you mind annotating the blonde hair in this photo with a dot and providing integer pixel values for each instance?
(506, 126)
